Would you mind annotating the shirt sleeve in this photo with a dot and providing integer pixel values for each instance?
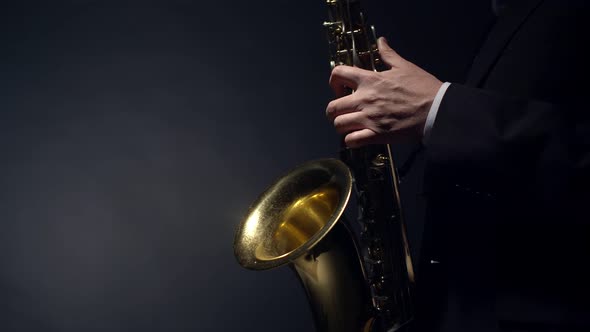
(432, 112)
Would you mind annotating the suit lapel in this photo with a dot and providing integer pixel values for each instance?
(505, 28)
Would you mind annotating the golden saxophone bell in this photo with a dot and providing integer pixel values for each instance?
(297, 221)
(293, 214)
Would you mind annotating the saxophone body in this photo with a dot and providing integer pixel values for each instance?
(358, 277)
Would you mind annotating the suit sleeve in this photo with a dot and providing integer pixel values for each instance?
(496, 146)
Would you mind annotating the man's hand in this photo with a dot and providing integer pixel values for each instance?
(386, 107)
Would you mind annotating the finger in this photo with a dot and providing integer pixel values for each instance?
(388, 55)
(349, 122)
(361, 138)
(343, 105)
(344, 77)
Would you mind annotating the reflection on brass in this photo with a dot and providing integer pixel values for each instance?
(293, 214)
(305, 217)
(380, 160)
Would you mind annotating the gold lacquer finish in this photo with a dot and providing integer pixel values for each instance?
(293, 214)
(296, 221)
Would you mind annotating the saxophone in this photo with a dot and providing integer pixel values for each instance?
(358, 277)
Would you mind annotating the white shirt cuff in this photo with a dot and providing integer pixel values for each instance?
(432, 112)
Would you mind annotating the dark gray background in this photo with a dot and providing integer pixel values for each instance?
(135, 134)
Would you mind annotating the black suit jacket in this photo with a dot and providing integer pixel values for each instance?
(507, 240)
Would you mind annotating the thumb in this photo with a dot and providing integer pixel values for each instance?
(388, 55)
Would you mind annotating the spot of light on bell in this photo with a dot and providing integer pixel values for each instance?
(251, 224)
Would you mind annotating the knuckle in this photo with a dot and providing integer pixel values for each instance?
(371, 97)
(368, 77)
(330, 109)
(377, 114)
(374, 116)
(334, 76)
(350, 140)
(340, 127)
(384, 127)
(338, 71)
(358, 101)
(358, 107)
